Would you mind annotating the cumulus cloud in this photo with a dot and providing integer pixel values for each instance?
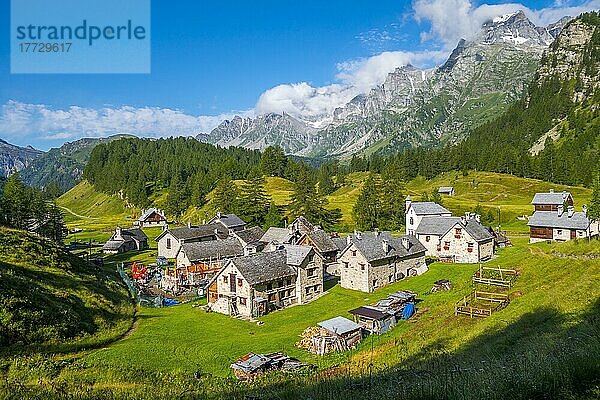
(452, 20)
(20, 120)
(304, 101)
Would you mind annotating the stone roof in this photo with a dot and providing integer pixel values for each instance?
(250, 235)
(428, 208)
(135, 233)
(339, 325)
(228, 220)
(553, 198)
(128, 235)
(551, 219)
(439, 226)
(196, 232)
(340, 242)
(371, 246)
(199, 251)
(302, 225)
(445, 189)
(322, 241)
(147, 213)
(279, 235)
(264, 267)
(296, 254)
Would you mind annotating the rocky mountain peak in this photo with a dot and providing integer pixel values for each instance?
(514, 28)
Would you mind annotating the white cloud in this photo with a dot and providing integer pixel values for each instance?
(304, 101)
(451, 20)
(21, 120)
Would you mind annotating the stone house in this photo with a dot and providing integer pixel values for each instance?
(213, 252)
(446, 190)
(373, 260)
(561, 225)
(232, 222)
(250, 238)
(551, 200)
(455, 239)
(124, 240)
(257, 284)
(152, 217)
(415, 211)
(323, 244)
(171, 240)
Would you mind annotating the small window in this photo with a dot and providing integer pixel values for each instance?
(559, 232)
(310, 272)
(362, 267)
(272, 297)
(411, 221)
(353, 253)
(446, 245)
(311, 258)
(317, 288)
(168, 243)
(374, 282)
(269, 286)
(427, 238)
(242, 300)
(240, 282)
(390, 278)
(470, 247)
(225, 279)
(308, 290)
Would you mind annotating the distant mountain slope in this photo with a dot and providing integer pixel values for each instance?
(414, 107)
(49, 295)
(14, 158)
(63, 165)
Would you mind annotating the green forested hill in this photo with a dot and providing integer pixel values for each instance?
(48, 295)
(552, 133)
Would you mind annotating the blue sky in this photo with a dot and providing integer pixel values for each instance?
(217, 58)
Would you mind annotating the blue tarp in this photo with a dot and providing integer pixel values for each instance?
(170, 302)
(409, 310)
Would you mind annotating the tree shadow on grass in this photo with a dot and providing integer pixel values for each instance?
(542, 355)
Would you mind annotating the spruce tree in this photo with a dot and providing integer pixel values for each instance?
(254, 201)
(366, 210)
(307, 202)
(273, 218)
(594, 206)
(226, 196)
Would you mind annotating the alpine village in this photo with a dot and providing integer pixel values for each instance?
(437, 240)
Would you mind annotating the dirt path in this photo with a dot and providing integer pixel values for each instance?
(77, 215)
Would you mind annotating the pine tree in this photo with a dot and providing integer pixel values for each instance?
(326, 185)
(254, 201)
(594, 206)
(366, 210)
(17, 202)
(436, 197)
(177, 197)
(307, 202)
(226, 196)
(272, 161)
(273, 218)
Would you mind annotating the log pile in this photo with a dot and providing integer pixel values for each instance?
(319, 341)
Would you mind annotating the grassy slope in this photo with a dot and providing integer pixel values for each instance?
(48, 296)
(551, 295)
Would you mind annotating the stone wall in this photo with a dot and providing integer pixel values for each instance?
(354, 270)
(162, 246)
(308, 287)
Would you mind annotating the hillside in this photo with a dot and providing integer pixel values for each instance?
(15, 158)
(551, 133)
(543, 345)
(49, 297)
(98, 213)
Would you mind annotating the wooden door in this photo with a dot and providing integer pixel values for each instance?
(573, 233)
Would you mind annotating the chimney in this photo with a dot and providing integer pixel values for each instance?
(218, 214)
(247, 251)
(189, 224)
(217, 231)
(348, 240)
(405, 242)
(358, 234)
(467, 216)
(386, 245)
(551, 190)
(203, 222)
(478, 218)
(376, 230)
(118, 231)
(584, 209)
(561, 209)
(571, 211)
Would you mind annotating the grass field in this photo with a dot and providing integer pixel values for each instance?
(554, 304)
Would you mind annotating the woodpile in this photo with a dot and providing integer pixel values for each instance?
(319, 341)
